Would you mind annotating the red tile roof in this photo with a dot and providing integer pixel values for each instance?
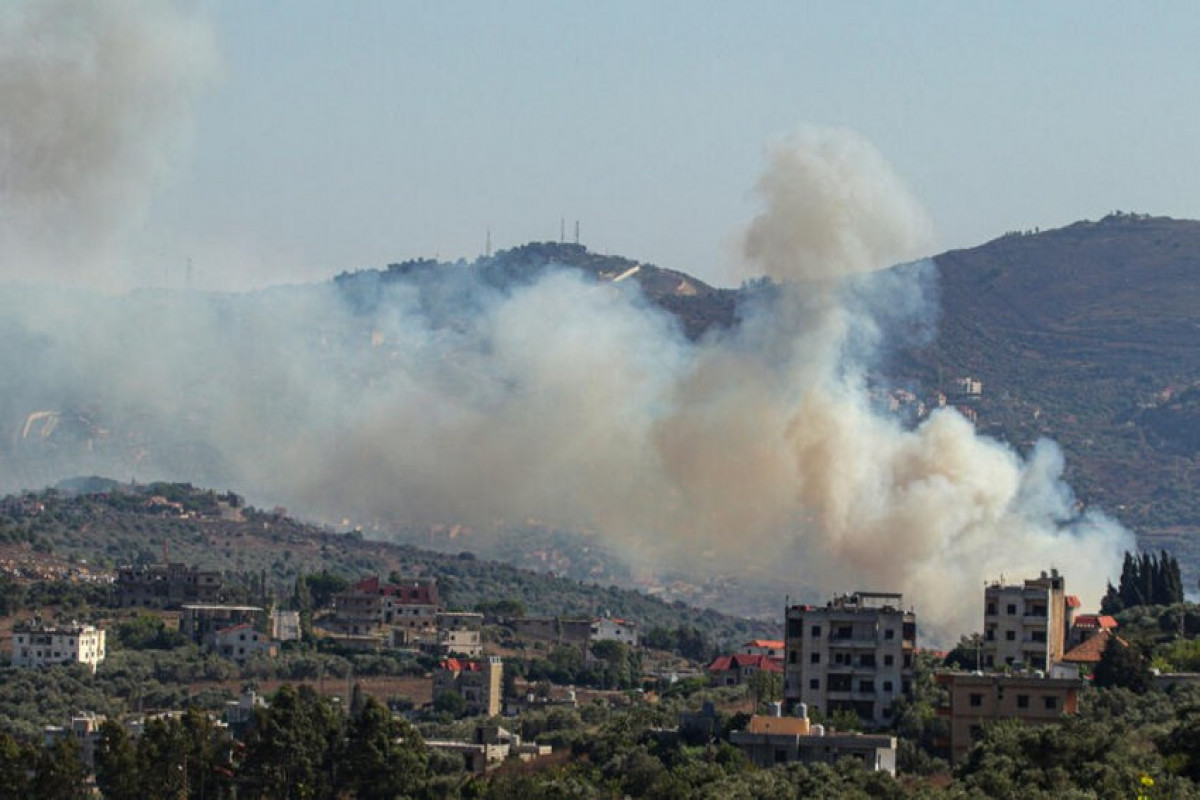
(1101, 621)
(459, 665)
(1073, 601)
(1089, 652)
(740, 660)
(767, 643)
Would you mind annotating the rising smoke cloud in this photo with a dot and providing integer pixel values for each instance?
(96, 101)
(756, 449)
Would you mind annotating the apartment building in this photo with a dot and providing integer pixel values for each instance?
(976, 698)
(1025, 625)
(372, 607)
(38, 645)
(168, 585)
(853, 654)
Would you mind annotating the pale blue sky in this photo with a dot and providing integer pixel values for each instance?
(347, 135)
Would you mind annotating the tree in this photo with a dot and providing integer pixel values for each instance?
(59, 772)
(450, 702)
(766, 686)
(1121, 665)
(15, 759)
(117, 773)
(385, 756)
(294, 747)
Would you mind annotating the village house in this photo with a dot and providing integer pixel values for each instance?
(35, 644)
(490, 747)
(774, 739)
(480, 683)
(976, 698)
(373, 608)
(736, 669)
(240, 643)
(459, 633)
(771, 648)
(199, 623)
(1086, 626)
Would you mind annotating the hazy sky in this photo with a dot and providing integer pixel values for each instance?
(343, 136)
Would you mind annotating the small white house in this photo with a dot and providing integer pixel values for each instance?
(614, 629)
(38, 645)
(241, 642)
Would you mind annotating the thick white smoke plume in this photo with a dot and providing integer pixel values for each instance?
(94, 98)
(449, 398)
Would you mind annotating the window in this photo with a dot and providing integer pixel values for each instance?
(990, 634)
(887, 686)
(991, 609)
(844, 632)
(1038, 636)
(1012, 608)
(866, 686)
(888, 660)
(816, 631)
(814, 684)
(1022, 701)
(1051, 703)
(976, 700)
(814, 658)
(1010, 636)
(889, 633)
(792, 656)
(866, 660)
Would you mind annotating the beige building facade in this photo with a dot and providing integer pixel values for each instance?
(1025, 625)
(975, 699)
(853, 654)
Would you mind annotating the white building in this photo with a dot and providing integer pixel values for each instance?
(38, 645)
(615, 630)
(241, 642)
(285, 625)
(1025, 625)
(853, 654)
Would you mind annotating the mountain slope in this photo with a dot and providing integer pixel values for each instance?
(1080, 334)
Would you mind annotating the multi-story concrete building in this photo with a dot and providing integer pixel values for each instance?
(39, 645)
(853, 654)
(481, 683)
(166, 586)
(975, 698)
(459, 634)
(1025, 625)
(371, 607)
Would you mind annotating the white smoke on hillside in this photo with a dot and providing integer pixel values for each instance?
(94, 100)
(574, 402)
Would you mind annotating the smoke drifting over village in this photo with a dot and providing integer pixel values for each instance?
(574, 402)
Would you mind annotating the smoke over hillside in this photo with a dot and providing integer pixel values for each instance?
(450, 398)
(95, 99)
